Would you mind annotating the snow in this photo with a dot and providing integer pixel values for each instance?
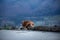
(28, 35)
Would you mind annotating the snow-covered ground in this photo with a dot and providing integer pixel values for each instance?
(28, 35)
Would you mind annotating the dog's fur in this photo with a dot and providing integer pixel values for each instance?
(27, 24)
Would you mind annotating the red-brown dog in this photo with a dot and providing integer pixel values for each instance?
(27, 24)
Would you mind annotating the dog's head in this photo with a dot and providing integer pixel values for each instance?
(27, 24)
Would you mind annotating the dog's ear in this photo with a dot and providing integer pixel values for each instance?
(24, 23)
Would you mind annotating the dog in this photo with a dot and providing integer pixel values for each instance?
(27, 25)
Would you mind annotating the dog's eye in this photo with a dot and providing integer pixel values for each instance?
(32, 24)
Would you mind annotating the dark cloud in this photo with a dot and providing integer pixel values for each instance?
(39, 7)
(36, 10)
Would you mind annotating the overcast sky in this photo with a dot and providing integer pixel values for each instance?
(42, 12)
